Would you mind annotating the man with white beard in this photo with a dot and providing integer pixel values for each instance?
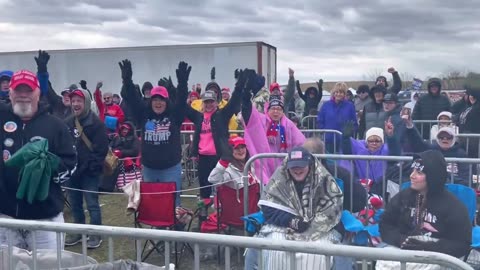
(27, 120)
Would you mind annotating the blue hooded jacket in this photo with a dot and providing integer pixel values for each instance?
(334, 116)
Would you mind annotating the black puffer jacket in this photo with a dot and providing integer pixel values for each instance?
(429, 106)
(443, 211)
(373, 116)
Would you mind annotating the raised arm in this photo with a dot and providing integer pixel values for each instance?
(290, 90)
(42, 61)
(416, 139)
(320, 91)
(97, 96)
(300, 93)
(183, 73)
(347, 133)
(246, 79)
(129, 92)
(397, 82)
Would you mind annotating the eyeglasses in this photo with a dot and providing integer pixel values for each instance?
(276, 109)
(107, 98)
(374, 141)
(445, 137)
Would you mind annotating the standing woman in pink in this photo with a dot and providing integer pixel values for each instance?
(271, 132)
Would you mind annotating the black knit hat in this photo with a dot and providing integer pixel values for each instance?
(275, 100)
(146, 86)
(383, 78)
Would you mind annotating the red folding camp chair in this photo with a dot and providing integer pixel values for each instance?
(230, 205)
(152, 195)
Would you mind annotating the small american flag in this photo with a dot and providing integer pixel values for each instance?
(160, 127)
(296, 154)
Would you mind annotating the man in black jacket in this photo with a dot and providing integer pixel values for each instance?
(27, 120)
(429, 106)
(397, 82)
(92, 146)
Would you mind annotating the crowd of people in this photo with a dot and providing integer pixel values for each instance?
(302, 199)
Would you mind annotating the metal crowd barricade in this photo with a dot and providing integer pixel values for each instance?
(320, 133)
(196, 239)
(467, 138)
(292, 114)
(351, 158)
(311, 122)
(424, 124)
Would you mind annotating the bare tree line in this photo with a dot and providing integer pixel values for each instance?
(452, 78)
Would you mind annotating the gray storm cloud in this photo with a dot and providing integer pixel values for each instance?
(340, 40)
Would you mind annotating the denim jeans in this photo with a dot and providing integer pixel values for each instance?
(76, 199)
(172, 174)
(251, 259)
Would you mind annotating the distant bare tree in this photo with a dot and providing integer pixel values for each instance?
(372, 74)
(454, 78)
(407, 79)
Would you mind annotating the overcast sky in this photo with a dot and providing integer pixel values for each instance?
(335, 40)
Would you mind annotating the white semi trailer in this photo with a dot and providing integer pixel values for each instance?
(150, 63)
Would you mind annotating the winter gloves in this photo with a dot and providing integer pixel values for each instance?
(212, 74)
(126, 68)
(83, 84)
(320, 85)
(42, 61)
(183, 72)
(348, 129)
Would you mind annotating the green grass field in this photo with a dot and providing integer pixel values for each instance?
(114, 214)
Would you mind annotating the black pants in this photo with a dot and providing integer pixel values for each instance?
(205, 166)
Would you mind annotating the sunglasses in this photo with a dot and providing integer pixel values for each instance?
(418, 165)
(445, 137)
(374, 141)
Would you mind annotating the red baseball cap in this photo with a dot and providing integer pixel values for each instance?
(159, 91)
(274, 86)
(24, 77)
(236, 141)
(77, 92)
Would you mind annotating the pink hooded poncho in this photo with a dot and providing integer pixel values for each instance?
(257, 142)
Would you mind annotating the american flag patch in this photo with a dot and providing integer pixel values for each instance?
(296, 154)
